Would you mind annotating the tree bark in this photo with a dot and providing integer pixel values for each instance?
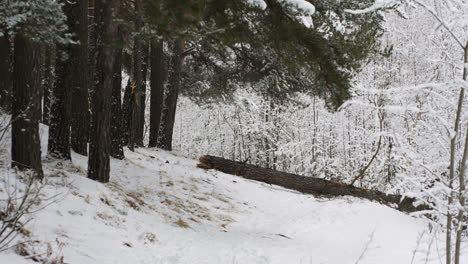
(116, 119)
(461, 174)
(26, 106)
(172, 94)
(79, 78)
(453, 142)
(59, 128)
(127, 112)
(5, 72)
(70, 78)
(158, 78)
(99, 151)
(136, 138)
(308, 185)
(47, 83)
(92, 42)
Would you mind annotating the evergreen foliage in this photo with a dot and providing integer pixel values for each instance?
(317, 54)
(39, 21)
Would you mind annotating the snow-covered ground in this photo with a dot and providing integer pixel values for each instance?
(160, 208)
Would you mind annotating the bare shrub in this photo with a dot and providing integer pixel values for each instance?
(16, 201)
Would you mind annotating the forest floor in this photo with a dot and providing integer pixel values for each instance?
(160, 208)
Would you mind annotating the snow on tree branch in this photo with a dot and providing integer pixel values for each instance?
(379, 4)
(301, 5)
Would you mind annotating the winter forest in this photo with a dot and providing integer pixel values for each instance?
(240, 131)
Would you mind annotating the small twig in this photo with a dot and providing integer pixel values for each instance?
(366, 247)
(375, 154)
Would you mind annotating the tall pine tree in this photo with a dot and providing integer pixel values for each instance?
(79, 81)
(26, 145)
(99, 150)
(5, 72)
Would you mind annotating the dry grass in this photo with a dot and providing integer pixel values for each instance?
(169, 183)
(134, 201)
(150, 238)
(132, 204)
(106, 200)
(182, 223)
(25, 232)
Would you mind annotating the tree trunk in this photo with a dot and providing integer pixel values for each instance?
(127, 112)
(133, 114)
(461, 174)
(70, 80)
(26, 106)
(158, 78)
(308, 185)
(47, 83)
(116, 119)
(453, 142)
(5, 72)
(79, 78)
(59, 128)
(144, 74)
(99, 151)
(137, 104)
(92, 41)
(172, 94)
(461, 198)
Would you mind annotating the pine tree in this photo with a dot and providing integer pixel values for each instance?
(79, 79)
(260, 43)
(257, 43)
(136, 138)
(70, 82)
(99, 150)
(116, 118)
(5, 72)
(59, 128)
(170, 99)
(32, 24)
(26, 107)
(127, 112)
(158, 78)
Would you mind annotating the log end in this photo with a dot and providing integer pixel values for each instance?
(205, 163)
(407, 206)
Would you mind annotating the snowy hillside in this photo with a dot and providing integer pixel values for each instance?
(160, 208)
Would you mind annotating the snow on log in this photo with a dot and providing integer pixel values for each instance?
(308, 185)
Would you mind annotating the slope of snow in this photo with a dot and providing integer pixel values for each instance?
(160, 208)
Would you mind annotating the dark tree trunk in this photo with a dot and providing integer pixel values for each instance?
(79, 78)
(116, 119)
(5, 73)
(59, 127)
(26, 106)
(47, 83)
(158, 77)
(127, 112)
(99, 150)
(172, 94)
(133, 113)
(92, 39)
(309, 185)
(70, 77)
(137, 105)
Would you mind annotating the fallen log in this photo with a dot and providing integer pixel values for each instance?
(308, 185)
